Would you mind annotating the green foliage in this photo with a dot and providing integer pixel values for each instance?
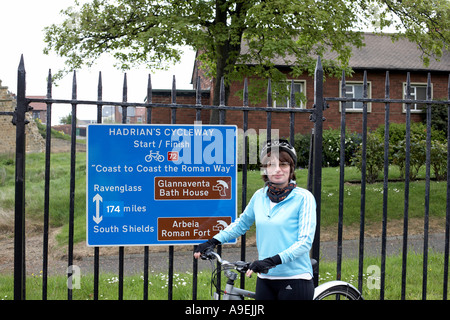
(397, 132)
(426, 22)
(55, 134)
(59, 186)
(232, 38)
(237, 39)
(397, 148)
(302, 144)
(7, 169)
(374, 157)
(6, 159)
(67, 119)
(439, 159)
(417, 155)
(439, 117)
(332, 147)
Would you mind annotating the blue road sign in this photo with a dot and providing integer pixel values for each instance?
(159, 184)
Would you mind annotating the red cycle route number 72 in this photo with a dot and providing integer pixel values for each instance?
(172, 156)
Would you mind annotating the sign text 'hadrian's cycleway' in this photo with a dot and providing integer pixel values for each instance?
(159, 184)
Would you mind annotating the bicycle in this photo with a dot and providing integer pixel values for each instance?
(154, 155)
(337, 289)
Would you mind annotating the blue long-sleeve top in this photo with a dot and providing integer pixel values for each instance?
(286, 229)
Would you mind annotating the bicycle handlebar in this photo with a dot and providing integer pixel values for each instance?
(240, 266)
(211, 255)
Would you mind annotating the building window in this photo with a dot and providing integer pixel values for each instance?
(108, 114)
(356, 90)
(36, 115)
(282, 97)
(418, 92)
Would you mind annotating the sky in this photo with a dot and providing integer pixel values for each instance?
(22, 23)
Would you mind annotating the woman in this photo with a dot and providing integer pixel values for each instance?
(285, 217)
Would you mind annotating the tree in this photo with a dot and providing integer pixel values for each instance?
(237, 38)
(66, 120)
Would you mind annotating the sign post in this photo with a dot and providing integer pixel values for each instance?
(159, 184)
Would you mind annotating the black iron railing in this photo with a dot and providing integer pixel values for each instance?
(314, 174)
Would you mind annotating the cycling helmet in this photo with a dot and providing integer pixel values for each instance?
(282, 145)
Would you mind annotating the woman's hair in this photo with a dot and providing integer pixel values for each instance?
(284, 157)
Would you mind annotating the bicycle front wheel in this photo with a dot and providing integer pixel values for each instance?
(335, 290)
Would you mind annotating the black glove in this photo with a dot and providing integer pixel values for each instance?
(210, 244)
(262, 266)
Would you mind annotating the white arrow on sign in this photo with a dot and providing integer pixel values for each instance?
(97, 217)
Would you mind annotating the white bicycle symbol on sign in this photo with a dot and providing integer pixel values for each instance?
(154, 156)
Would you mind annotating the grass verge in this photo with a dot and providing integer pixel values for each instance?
(182, 289)
(60, 181)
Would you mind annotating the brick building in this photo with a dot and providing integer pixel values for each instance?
(39, 109)
(378, 55)
(137, 115)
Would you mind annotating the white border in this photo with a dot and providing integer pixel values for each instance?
(180, 242)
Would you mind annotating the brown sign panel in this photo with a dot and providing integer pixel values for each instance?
(194, 228)
(192, 188)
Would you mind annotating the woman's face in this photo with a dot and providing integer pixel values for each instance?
(278, 172)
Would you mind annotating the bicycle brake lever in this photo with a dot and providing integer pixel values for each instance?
(242, 266)
(207, 255)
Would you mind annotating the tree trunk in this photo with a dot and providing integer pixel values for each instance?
(220, 72)
(223, 52)
(221, 60)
